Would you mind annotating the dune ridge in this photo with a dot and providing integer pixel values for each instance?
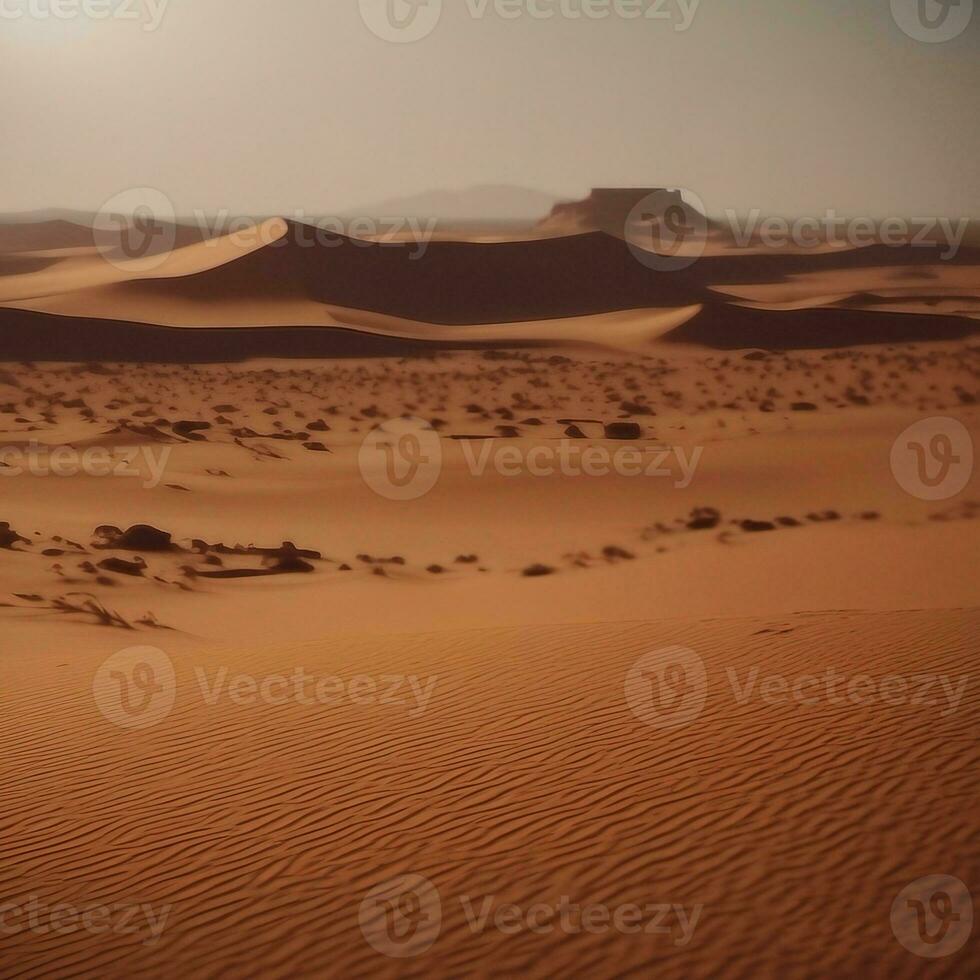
(587, 288)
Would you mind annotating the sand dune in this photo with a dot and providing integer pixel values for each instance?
(898, 281)
(94, 268)
(34, 336)
(369, 297)
(450, 283)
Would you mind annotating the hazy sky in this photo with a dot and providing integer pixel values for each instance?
(265, 106)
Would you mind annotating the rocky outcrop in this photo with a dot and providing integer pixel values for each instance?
(608, 209)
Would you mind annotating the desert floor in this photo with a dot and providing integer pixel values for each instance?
(497, 746)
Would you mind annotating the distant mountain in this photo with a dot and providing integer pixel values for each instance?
(32, 234)
(63, 229)
(490, 203)
(83, 218)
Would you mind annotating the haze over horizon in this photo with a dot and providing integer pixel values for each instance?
(242, 106)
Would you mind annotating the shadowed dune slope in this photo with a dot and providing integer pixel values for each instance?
(18, 265)
(29, 336)
(32, 236)
(450, 283)
(26, 335)
(743, 266)
(729, 327)
(456, 285)
(460, 283)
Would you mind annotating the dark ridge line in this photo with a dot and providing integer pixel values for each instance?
(27, 335)
(738, 327)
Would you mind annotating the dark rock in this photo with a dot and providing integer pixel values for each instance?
(537, 571)
(704, 519)
(288, 551)
(370, 560)
(140, 537)
(612, 552)
(123, 567)
(9, 538)
(623, 430)
(753, 527)
(189, 429)
(292, 563)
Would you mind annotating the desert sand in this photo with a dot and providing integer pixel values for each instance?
(497, 749)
